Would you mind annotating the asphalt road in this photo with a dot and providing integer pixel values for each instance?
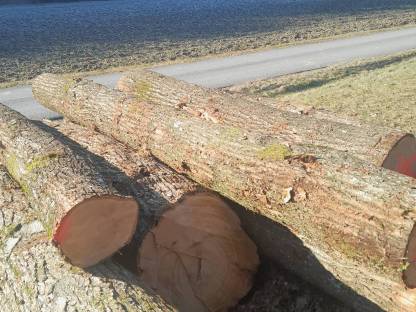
(226, 71)
(21, 98)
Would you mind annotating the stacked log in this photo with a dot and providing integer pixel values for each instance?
(355, 218)
(194, 252)
(36, 278)
(157, 184)
(83, 213)
(198, 257)
(382, 146)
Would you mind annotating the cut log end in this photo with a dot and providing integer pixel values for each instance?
(95, 228)
(402, 157)
(409, 274)
(198, 257)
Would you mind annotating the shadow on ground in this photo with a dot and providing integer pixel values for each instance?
(265, 232)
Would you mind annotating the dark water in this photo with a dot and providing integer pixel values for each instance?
(43, 26)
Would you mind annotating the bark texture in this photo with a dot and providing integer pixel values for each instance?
(159, 186)
(34, 277)
(354, 217)
(291, 124)
(196, 255)
(64, 189)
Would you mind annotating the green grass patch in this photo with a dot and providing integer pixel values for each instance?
(275, 152)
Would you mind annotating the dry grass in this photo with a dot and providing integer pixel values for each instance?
(379, 90)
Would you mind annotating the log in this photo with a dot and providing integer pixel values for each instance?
(273, 283)
(390, 148)
(158, 186)
(200, 245)
(354, 217)
(195, 255)
(34, 277)
(86, 217)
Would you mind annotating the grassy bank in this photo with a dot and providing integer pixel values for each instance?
(379, 90)
(52, 46)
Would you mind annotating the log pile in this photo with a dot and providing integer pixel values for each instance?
(321, 178)
(35, 278)
(161, 193)
(157, 185)
(200, 246)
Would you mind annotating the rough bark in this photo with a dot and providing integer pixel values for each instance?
(194, 252)
(382, 146)
(354, 217)
(80, 209)
(34, 277)
(159, 186)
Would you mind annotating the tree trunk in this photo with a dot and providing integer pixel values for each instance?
(158, 187)
(194, 253)
(382, 146)
(88, 219)
(34, 277)
(355, 218)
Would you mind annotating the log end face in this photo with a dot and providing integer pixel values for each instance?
(405, 300)
(198, 257)
(96, 228)
(51, 89)
(402, 157)
(409, 272)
